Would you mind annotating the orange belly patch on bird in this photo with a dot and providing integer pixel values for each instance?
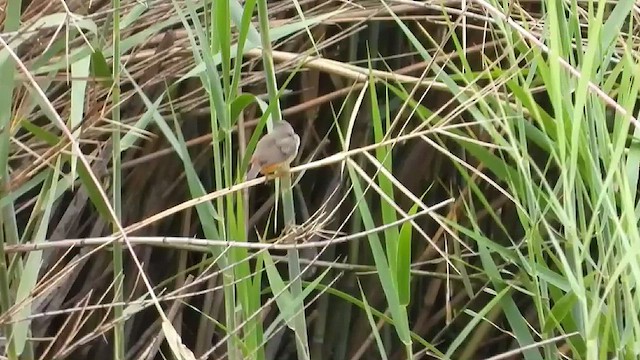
(270, 169)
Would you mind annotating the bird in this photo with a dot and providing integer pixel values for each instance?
(275, 151)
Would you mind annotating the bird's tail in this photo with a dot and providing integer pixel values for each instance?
(253, 172)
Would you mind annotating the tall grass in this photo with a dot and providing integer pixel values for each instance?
(467, 180)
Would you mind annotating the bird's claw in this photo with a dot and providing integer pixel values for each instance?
(275, 175)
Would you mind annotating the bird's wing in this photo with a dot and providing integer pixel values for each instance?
(288, 146)
(261, 153)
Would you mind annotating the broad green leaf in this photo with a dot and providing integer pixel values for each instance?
(94, 193)
(560, 310)
(403, 261)
(29, 278)
(80, 73)
(100, 69)
(40, 133)
(398, 313)
(283, 296)
(239, 104)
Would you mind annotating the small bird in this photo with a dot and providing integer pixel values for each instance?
(275, 151)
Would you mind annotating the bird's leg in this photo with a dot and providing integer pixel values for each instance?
(278, 173)
(271, 176)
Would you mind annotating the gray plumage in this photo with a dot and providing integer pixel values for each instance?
(276, 149)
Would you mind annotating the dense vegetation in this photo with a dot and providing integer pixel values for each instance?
(466, 185)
